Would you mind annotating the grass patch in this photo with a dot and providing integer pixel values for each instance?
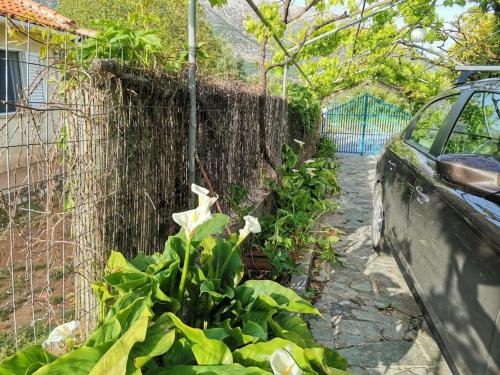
(25, 337)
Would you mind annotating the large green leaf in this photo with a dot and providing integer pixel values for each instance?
(212, 227)
(159, 339)
(205, 350)
(142, 261)
(179, 354)
(214, 288)
(259, 354)
(326, 361)
(213, 370)
(233, 337)
(118, 263)
(268, 294)
(292, 327)
(108, 358)
(114, 361)
(77, 362)
(321, 361)
(26, 361)
(255, 323)
(175, 247)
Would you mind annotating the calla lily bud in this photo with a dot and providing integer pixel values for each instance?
(283, 363)
(252, 225)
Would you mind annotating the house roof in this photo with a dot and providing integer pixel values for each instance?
(28, 10)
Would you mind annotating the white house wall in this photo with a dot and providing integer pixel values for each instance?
(32, 120)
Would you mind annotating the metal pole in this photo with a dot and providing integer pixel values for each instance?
(192, 91)
(285, 72)
(365, 113)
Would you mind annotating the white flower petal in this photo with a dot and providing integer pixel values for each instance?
(199, 190)
(190, 220)
(283, 363)
(203, 197)
(252, 225)
(309, 161)
(56, 343)
(299, 142)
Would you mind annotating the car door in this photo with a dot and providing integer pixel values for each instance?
(400, 158)
(454, 242)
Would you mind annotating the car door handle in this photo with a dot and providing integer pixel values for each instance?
(421, 197)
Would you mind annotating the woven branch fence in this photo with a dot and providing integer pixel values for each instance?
(94, 158)
(127, 151)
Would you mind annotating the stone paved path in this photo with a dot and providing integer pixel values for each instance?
(370, 315)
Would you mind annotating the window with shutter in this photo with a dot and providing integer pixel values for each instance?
(10, 80)
(36, 80)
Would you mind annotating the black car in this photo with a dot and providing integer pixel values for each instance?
(437, 208)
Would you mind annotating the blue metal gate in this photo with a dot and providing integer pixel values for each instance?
(363, 124)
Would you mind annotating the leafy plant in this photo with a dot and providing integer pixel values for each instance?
(302, 194)
(236, 200)
(303, 106)
(186, 311)
(123, 41)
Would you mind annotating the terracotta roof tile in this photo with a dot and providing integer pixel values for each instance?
(28, 10)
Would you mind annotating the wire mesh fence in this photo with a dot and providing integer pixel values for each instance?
(94, 157)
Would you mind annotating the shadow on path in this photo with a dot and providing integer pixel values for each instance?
(371, 317)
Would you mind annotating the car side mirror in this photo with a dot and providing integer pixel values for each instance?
(479, 174)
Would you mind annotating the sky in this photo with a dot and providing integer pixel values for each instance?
(447, 13)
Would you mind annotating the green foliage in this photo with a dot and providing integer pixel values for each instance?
(123, 41)
(479, 40)
(303, 106)
(164, 20)
(224, 327)
(302, 196)
(380, 50)
(236, 199)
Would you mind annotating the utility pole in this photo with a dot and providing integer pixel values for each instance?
(192, 91)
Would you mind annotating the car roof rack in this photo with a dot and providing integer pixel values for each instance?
(467, 70)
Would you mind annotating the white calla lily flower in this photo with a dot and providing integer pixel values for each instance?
(62, 338)
(295, 170)
(309, 161)
(299, 142)
(252, 225)
(310, 171)
(203, 197)
(192, 219)
(283, 363)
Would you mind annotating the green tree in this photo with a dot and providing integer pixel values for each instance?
(368, 40)
(477, 38)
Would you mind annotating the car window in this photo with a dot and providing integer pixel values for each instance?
(477, 130)
(431, 120)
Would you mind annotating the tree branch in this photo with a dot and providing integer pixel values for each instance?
(428, 50)
(303, 11)
(286, 9)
